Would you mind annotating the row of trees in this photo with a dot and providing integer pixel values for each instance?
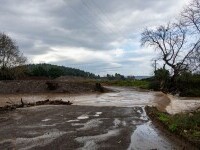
(41, 71)
(117, 76)
(178, 44)
(54, 71)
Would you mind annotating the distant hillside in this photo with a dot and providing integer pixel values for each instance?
(142, 77)
(54, 71)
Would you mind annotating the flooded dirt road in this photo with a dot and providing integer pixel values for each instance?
(115, 120)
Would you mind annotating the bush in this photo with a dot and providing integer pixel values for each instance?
(52, 85)
(189, 84)
(155, 85)
(6, 74)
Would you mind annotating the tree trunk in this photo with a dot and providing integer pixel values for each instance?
(173, 87)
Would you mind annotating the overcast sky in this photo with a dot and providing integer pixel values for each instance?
(100, 36)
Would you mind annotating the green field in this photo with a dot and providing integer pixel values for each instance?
(132, 83)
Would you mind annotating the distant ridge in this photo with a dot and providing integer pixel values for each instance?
(54, 71)
(142, 77)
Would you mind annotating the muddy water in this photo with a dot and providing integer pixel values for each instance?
(144, 136)
(182, 104)
(122, 97)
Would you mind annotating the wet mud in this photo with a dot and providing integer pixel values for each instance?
(114, 120)
(80, 127)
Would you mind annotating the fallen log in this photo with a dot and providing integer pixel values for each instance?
(38, 103)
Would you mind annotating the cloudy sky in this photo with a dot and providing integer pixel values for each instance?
(100, 36)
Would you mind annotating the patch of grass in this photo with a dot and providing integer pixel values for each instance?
(131, 83)
(173, 127)
(163, 117)
(184, 124)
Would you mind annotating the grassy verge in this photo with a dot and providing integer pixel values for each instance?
(186, 125)
(131, 83)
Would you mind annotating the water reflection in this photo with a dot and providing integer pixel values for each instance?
(146, 137)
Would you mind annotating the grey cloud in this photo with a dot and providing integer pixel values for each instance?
(91, 24)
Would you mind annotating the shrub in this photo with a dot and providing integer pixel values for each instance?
(52, 85)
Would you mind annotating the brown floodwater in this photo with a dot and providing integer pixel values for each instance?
(121, 97)
(182, 104)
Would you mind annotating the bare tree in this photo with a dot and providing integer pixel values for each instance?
(190, 18)
(172, 44)
(10, 55)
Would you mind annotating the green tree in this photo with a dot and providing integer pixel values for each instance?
(55, 72)
(40, 71)
(163, 78)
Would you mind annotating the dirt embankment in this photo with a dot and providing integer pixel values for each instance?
(47, 86)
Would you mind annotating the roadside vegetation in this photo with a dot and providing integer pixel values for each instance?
(186, 125)
(187, 83)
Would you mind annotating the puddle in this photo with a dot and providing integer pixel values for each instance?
(73, 120)
(77, 124)
(45, 120)
(82, 117)
(49, 125)
(97, 114)
(146, 137)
